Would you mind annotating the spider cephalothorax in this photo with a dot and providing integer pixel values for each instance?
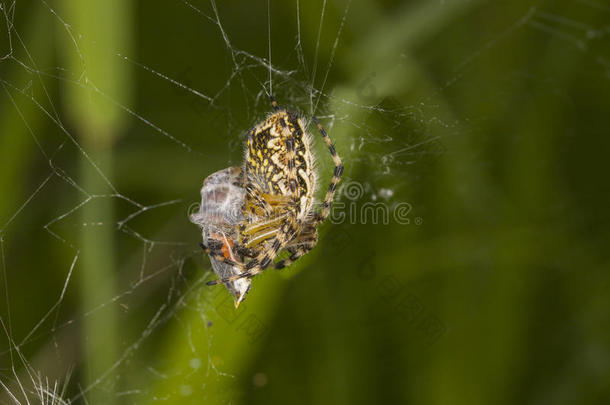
(279, 181)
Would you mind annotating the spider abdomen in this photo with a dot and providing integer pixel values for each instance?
(279, 162)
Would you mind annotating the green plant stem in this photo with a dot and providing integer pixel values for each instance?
(97, 32)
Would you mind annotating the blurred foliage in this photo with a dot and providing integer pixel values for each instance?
(488, 118)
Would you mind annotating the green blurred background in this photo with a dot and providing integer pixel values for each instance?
(480, 127)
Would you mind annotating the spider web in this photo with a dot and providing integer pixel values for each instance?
(173, 331)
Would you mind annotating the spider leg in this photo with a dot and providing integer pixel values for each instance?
(299, 247)
(274, 103)
(245, 251)
(273, 244)
(261, 231)
(263, 205)
(262, 261)
(308, 235)
(256, 204)
(299, 252)
(217, 253)
(328, 199)
(258, 226)
(254, 233)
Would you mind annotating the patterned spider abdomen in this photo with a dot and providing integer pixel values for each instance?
(279, 163)
(222, 199)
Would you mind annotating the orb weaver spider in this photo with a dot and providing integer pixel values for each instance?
(279, 180)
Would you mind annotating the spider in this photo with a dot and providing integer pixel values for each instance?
(279, 180)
